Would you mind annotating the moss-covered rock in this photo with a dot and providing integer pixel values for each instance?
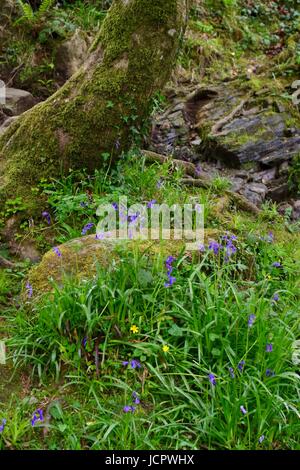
(79, 258)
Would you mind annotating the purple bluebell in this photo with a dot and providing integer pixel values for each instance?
(275, 297)
(29, 289)
(83, 204)
(159, 183)
(46, 215)
(100, 236)
(231, 372)
(135, 398)
(241, 365)
(251, 320)
(243, 410)
(134, 364)
(270, 237)
(57, 251)
(115, 206)
(133, 218)
(2, 425)
(201, 248)
(128, 409)
(270, 373)
(84, 341)
(37, 416)
(261, 439)
(215, 247)
(198, 208)
(151, 203)
(276, 264)
(212, 379)
(86, 228)
(269, 347)
(171, 281)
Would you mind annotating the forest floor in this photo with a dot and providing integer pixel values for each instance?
(197, 351)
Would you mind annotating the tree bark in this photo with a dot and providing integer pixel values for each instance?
(100, 108)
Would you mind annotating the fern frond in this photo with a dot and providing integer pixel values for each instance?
(27, 10)
(45, 6)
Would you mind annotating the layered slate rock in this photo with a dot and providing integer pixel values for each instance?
(232, 131)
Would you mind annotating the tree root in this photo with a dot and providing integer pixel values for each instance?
(5, 263)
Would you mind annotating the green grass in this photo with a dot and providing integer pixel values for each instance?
(203, 320)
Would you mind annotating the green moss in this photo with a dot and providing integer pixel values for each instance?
(74, 127)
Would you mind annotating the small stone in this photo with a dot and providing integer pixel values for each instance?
(265, 176)
(18, 101)
(237, 184)
(284, 168)
(278, 193)
(258, 188)
(196, 142)
(253, 197)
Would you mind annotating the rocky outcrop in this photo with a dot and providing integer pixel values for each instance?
(248, 137)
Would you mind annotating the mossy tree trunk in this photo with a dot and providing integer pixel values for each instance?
(97, 110)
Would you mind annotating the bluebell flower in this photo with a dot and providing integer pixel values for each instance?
(251, 320)
(37, 416)
(151, 203)
(128, 409)
(212, 379)
(261, 439)
(57, 251)
(135, 398)
(171, 279)
(215, 247)
(275, 297)
(241, 366)
(86, 228)
(243, 410)
(270, 373)
(2, 425)
(276, 264)
(115, 206)
(29, 289)
(46, 215)
(269, 347)
(231, 372)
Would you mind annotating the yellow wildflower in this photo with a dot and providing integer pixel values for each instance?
(134, 329)
(165, 348)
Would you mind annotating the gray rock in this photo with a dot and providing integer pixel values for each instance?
(258, 188)
(284, 168)
(296, 210)
(72, 54)
(253, 197)
(265, 176)
(279, 191)
(237, 184)
(7, 123)
(17, 101)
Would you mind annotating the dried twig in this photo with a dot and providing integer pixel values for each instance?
(5, 263)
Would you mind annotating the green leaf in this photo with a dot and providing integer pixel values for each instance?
(175, 331)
